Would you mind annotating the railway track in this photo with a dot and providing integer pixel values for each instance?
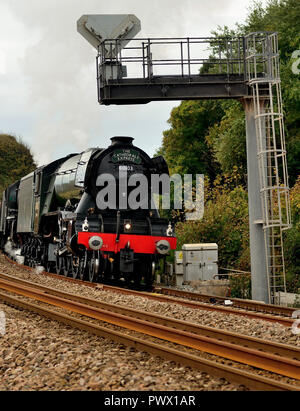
(237, 302)
(277, 358)
(192, 300)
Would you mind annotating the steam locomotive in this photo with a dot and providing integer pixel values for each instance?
(52, 218)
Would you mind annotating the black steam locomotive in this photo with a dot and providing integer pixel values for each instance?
(51, 217)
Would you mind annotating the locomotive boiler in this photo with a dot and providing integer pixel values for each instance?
(55, 217)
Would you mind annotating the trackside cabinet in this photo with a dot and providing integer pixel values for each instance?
(200, 261)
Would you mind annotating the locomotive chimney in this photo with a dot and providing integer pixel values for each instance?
(121, 140)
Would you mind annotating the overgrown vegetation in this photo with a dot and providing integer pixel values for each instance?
(209, 137)
(292, 242)
(225, 222)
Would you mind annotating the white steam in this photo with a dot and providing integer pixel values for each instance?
(39, 269)
(13, 253)
(16, 255)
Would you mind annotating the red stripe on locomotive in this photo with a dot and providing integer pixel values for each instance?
(139, 243)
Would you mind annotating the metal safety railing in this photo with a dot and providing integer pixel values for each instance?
(185, 57)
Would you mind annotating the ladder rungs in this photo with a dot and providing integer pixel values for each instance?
(271, 156)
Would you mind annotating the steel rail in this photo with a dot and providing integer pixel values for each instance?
(231, 374)
(223, 335)
(238, 302)
(256, 358)
(287, 322)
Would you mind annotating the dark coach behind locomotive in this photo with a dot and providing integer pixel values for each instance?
(52, 217)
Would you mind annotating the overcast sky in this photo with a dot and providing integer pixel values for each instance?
(47, 70)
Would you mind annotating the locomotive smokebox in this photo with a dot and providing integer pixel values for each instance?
(121, 140)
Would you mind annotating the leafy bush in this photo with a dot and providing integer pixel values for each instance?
(225, 222)
(292, 242)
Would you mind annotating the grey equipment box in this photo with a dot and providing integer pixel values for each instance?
(200, 261)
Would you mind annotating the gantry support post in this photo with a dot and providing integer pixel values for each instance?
(259, 269)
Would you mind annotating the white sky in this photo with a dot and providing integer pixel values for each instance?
(48, 72)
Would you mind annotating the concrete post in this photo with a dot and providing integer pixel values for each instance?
(259, 273)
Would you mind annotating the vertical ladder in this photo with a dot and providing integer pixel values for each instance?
(263, 76)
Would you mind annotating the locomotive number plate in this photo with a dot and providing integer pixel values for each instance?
(126, 168)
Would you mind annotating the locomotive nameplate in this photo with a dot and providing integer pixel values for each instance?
(126, 155)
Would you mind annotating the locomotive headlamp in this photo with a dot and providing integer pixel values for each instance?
(163, 247)
(85, 225)
(95, 243)
(127, 226)
(169, 231)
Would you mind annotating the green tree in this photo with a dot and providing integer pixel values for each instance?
(209, 137)
(184, 145)
(283, 16)
(16, 160)
(280, 16)
(227, 140)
